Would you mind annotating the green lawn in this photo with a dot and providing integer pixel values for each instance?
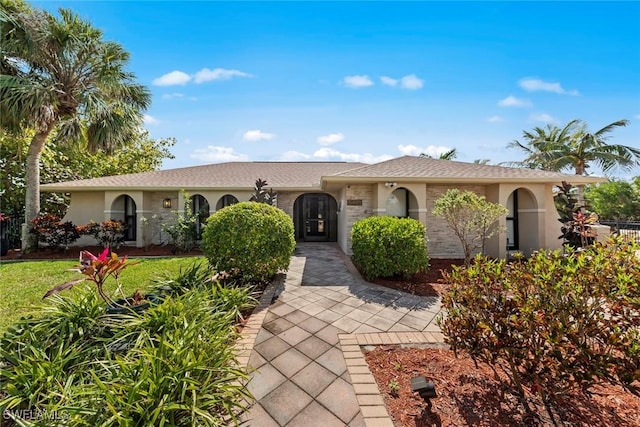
(22, 284)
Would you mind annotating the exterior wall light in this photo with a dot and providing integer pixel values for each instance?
(426, 389)
(166, 203)
(390, 184)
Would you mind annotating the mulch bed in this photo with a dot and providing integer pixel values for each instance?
(428, 283)
(473, 396)
(73, 252)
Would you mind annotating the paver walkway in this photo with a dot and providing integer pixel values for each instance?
(300, 376)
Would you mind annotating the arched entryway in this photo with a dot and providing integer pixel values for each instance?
(123, 209)
(402, 203)
(315, 218)
(522, 221)
(200, 208)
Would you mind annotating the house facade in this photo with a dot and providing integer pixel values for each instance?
(324, 199)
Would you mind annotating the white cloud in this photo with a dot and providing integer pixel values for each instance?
(173, 78)
(327, 153)
(330, 139)
(536, 85)
(218, 154)
(357, 81)
(294, 156)
(431, 150)
(150, 120)
(411, 82)
(542, 117)
(495, 119)
(172, 95)
(206, 74)
(257, 135)
(388, 81)
(512, 101)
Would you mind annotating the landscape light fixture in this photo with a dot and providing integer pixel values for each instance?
(426, 389)
(166, 203)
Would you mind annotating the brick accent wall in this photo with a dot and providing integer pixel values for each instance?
(353, 212)
(442, 242)
(286, 201)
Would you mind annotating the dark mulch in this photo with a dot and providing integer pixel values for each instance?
(473, 396)
(73, 252)
(427, 283)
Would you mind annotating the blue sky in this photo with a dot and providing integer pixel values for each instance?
(367, 81)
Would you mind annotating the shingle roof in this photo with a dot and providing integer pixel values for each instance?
(308, 175)
(426, 169)
(220, 175)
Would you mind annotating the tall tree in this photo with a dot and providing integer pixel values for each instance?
(575, 147)
(70, 162)
(57, 73)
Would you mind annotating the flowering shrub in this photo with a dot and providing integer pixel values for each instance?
(109, 234)
(50, 230)
(553, 322)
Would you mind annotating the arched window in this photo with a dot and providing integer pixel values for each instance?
(200, 207)
(226, 200)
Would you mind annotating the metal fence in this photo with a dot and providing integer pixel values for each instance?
(628, 229)
(11, 230)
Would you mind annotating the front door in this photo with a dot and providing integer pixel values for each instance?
(315, 217)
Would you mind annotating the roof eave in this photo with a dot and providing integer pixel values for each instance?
(466, 180)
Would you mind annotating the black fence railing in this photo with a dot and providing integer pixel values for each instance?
(628, 229)
(11, 230)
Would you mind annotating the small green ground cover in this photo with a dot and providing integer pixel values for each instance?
(22, 284)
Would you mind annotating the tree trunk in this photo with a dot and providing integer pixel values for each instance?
(32, 190)
(580, 188)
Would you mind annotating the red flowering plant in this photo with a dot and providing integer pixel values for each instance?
(97, 269)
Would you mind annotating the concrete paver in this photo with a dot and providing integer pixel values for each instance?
(308, 366)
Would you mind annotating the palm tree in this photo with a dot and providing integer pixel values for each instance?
(59, 78)
(574, 147)
(447, 155)
(541, 145)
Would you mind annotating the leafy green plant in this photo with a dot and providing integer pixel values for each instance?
(554, 322)
(50, 230)
(394, 387)
(249, 240)
(173, 364)
(42, 359)
(471, 218)
(109, 234)
(385, 246)
(182, 230)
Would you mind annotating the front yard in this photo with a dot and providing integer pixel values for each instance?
(22, 284)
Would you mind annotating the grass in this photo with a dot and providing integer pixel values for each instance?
(22, 284)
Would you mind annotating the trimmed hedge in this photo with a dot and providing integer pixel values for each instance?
(249, 239)
(385, 246)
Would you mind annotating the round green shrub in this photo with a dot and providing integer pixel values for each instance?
(253, 239)
(385, 246)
